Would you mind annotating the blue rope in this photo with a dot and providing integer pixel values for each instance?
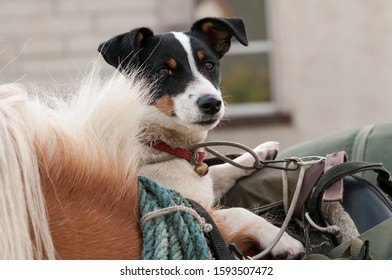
(177, 236)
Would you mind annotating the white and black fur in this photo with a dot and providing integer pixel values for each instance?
(185, 105)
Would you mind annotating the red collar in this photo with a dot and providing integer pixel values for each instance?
(193, 157)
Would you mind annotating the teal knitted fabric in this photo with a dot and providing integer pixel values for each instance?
(174, 236)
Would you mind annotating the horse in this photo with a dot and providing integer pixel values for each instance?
(69, 170)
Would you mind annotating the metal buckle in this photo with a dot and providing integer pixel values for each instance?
(195, 158)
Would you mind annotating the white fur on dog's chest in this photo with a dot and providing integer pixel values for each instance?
(179, 175)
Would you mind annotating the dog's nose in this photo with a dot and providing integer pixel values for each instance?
(209, 104)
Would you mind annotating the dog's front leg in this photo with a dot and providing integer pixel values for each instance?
(225, 175)
(239, 222)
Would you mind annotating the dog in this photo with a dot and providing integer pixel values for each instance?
(186, 103)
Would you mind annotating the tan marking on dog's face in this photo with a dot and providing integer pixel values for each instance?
(165, 105)
(172, 63)
(201, 55)
(206, 26)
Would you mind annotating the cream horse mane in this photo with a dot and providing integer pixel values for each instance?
(101, 114)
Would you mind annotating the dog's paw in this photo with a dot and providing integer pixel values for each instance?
(267, 151)
(288, 248)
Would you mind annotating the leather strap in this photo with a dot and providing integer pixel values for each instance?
(312, 174)
(335, 191)
(341, 170)
(219, 248)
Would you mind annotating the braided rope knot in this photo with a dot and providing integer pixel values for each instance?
(171, 228)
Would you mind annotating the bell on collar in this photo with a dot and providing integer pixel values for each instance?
(201, 169)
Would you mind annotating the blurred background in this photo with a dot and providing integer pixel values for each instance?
(312, 68)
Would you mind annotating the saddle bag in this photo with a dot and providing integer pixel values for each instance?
(367, 203)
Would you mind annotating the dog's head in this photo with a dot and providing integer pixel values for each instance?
(184, 67)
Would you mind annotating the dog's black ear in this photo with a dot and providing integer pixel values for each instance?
(122, 51)
(219, 31)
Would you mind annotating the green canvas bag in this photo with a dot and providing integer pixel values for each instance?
(379, 238)
(262, 191)
(371, 144)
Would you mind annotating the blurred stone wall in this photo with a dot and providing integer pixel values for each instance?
(47, 41)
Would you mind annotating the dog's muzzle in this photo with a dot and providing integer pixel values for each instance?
(209, 104)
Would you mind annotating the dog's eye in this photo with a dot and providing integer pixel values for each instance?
(164, 72)
(209, 66)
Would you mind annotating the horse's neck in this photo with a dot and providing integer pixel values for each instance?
(92, 205)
